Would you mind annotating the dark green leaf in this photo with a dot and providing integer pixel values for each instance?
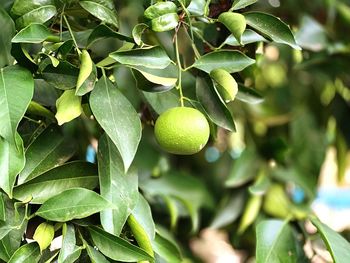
(239, 4)
(47, 151)
(16, 92)
(101, 11)
(248, 95)
(119, 188)
(213, 105)
(154, 57)
(160, 102)
(39, 15)
(248, 36)
(2, 208)
(71, 204)
(232, 61)
(275, 242)
(117, 248)
(34, 33)
(271, 26)
(160, 9)
(12, 161)
(64, 76)
(102, 31)
(54, 181)
(337, 245)
(28, 253)
(118, 118)
(166, 77)
(144, 84)
(7, 32)
(243, 169)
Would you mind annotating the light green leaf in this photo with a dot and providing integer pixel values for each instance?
(250, 213)
(272, 27)
(119, 188)
(95, 255)
(239, 4)
(12, 161)
(213, 105)
(166, 249)
(85, 68)
(165, 22)
(16, 92)
(48, 150)
(229, 60)
(67, 176)
(71, 204)
(34, 33)
(7, 32)
(2, 208)
(199, 7)
(249, 36)
(69, 251)
(235, 22)
(138, 31)
(118, 118)
(275, 242)
(166, 77)
(160, 9)
(44, 235)
(39, 15)
(153, 57)
(117, 248)
(337, 245)
(225, 84)
(28, 253)
(102, 12)
(68, 107)
(21, 7)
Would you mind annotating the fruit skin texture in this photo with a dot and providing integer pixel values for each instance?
(182, 130)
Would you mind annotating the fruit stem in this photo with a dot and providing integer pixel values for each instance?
(72, 35)
(178, 86)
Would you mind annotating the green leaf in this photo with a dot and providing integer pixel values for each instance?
(249, 36)
(28, 253)
(153, 57)
(137, 32)
(243, 169)
(70, 175)
(271, 26)
(160, 9)
(118, 118)
(229, 60)
(16, 92)
(102, 31)
(166, 77)
(225, 84)
(165, 22)
(213, 105)
(162, 101)
(7, 32)
(199, 7)
(64, 76)
(69, 252)
(239, 4)
(12, 161)
(166, 249)
(142, 225)
(34, 33)
(47, 151)
(248, 95)
(87, 74)
(68, 107)
(144, 84)
(95, 255)
(101, 11)
(117, 248)
(39, 15)
(250, 213)
(21, 7)
(71, 204)
(2, 208)
(275, 242)
(337, 245)
(119, 188)
(235, 22)
(44, 235)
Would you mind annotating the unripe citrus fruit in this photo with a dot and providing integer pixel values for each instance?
(225, 84)
(182, 130)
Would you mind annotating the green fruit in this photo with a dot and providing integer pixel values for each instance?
(225, 84)
(182, 130)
